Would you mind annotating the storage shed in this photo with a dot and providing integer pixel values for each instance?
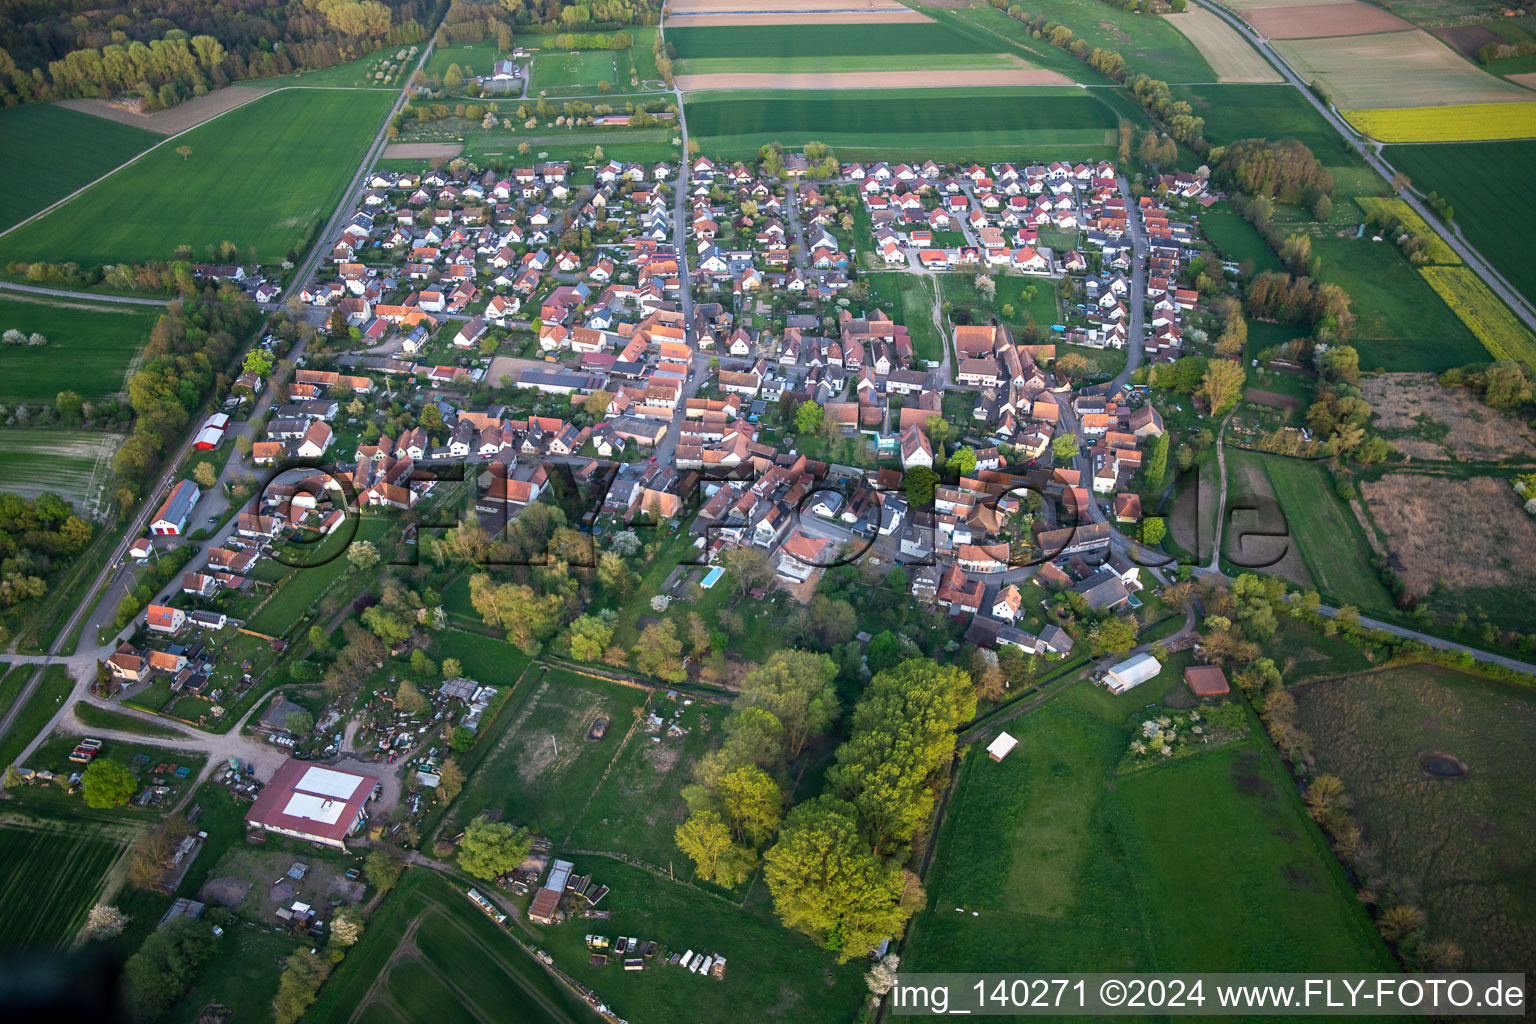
(1131, 672)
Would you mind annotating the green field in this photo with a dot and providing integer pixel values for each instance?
(896, 40)
(486, 659)
(1007, 35)
(1148, 44)
(646, 145)
(1055, 862)
(1492, 208)
(429, 953)
(34, 714)
(942, 123)
(472, 58)
(1400, 323)
(909, 300)
(74, 464)
(1331, 542)
(1460, 849)
(262, 176)
(49, 878)
(96, 717)
(89, 347)
(1237, 239)
(846, 62)
(48, 151)
(772, 974)
(300, 589)
(960, 290)
(543, 768)
(1235, 112)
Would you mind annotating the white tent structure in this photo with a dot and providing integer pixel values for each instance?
(1131, 672)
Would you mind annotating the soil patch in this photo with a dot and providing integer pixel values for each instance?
(677, 8)
(178, 118)
(876, 79)
(1316, 20)
(226, 892)
(1427, 421)
(422, 150)
(1467, 38)
(1273, 399)
(1462, 533)
(1528, 79)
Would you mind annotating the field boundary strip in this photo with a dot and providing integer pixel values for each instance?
(1483, 312)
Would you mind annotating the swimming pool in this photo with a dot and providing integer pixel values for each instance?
(712, 577)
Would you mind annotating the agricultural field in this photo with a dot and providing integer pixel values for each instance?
(900, 41)
(1457, 846)
(1398, 209)
(90, 347)
(56, 875)
(1053, 860)
(1235, 112)
(1472, 559)
(74, 464)
(1150, 45)
(1343, 18)
(1332, 544)
(1495, 211)
(772, 974)
(429, 953)
(1504, 336)
(541, 770)
(1465, 122)
(76, 149)
(1426, 421)
(1393, 69)
(909, 121)
(1230, 55)
(262, 176)
(1006, 35)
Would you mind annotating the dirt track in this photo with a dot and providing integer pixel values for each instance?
(875, 79)
(421, 150)
(1350, 18)
(708, 19)
(178, 118)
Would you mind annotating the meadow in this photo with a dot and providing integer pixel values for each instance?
(74, 464)
(89, 347)
(1149, 45)
(262, 176)
(909, 300)
(1331, 542)
(1002, 32)
(782, 975)
(1459, 848)
(1037, 120)
(1437, 250)
(541, 770)
(1235, 112)
(75, 147)
(1483, 312)
(1457, 122)
(94, 716)
(429, 952)
(895, 40)
(1052, 861)
(56, 876)
(1494, 210)
(1236, 238)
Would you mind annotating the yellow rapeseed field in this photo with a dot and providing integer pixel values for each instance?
(1459, 122)
(1437, 249)
(1504, 336)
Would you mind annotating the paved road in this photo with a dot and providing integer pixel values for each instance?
(1473, 258)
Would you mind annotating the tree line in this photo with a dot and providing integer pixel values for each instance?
(167, 51)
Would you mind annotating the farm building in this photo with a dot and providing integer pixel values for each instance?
(173, 515)
(307, 801)
(1206, 680)
(1001, 747)
(1131, 672)
(212, 432)
(547, 900)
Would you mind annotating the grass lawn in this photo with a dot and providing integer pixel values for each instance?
(139, 758)
(627, 144)
(1401, 324)
(75, 147)
(781, 975)
(1458, 848)
(908, 299)
(640, 803)
(472, 58)
(486, 659)
(542, 770)
(97, 717)
(458, 963)
(1032, 299)
(262, 176)
(577, 72)
(300, 590)
(1330, 540)
(1491, 207)
(34, 714)
(1020, 119)
(1070, 868)
(1237, 239)
(55, 874)
(88, 351)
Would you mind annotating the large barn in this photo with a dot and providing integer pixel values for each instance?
(313, 802)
